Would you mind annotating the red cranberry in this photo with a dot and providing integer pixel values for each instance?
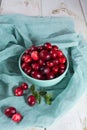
(62, 66)
(35, 55)
(28, 52)
(10, 111)
(50, 63)
(56, 61)
(53, 53)
(44, 55)
(40, 48)
(35, 66)
(18, 91)
(46, 70)
(61, 71)
(27, 59)
(41, 62)
(33, 48)
(17, 117)
(54, 47)
(55, 69)
(50, 75)
(31, 100)
(62, 60)
(48, 46)
(27, 69)
(23, 65)
(24, 86)
(37, 75)
(59, 53)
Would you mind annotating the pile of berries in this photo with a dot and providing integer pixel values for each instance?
(43, 62)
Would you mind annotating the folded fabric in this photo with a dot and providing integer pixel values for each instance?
(18, 32)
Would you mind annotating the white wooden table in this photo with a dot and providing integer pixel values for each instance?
(75, 119)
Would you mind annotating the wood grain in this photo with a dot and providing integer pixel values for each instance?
(84, 8)
(27, 7)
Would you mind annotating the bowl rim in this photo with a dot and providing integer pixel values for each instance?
(43, 81)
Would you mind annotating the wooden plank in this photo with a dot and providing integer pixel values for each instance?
(84, 8)
(27, 7)
(76, 119)
(69, 8)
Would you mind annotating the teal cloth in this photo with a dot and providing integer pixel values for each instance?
(18, 32)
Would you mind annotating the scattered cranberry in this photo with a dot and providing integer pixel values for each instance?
(10, 111)
(31, 100)
(17, 117)
(18, 91)
(34, 55)
(24, 86)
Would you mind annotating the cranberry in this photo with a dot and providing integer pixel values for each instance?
(48, 46)
(35, 55)
(24, 86)
(56, 61)
(27, 69)
(28, 52)
(33, 48)
(55, 69)
(18, 91)
(40, 48)
(62, 66)
(10, 111)
(50, 75)
(50, 63)
(37, 75)
(42, 54)
(41, 62)
(35, 66)
(27, 59)
(62, 59)
(61, 71)
(54, 47)
(53, 53)
(17, 117)
(46, 70)
(59, 53)
(31, 100)
(23, 65)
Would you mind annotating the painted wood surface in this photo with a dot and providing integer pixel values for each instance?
(76, 119)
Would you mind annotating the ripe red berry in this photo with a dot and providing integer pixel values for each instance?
(24, 86)
(48, 46)
(10, 111)
(54, 47)
(59, 53)
(18, 91)
(27, 69)
(35, 55)
(35, 66)
(31, 100)
(55, 69)
(50, 63)
(53, 53)
(17, 117)
(62, 66)
(50, 75)
(62, 60)
(61, 71)
(27, 59)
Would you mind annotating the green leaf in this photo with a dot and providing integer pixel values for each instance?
(42, 93)
(37, 96)
(32, 88)
(48, 99)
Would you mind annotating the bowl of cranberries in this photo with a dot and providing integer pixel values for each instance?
(43, 65)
